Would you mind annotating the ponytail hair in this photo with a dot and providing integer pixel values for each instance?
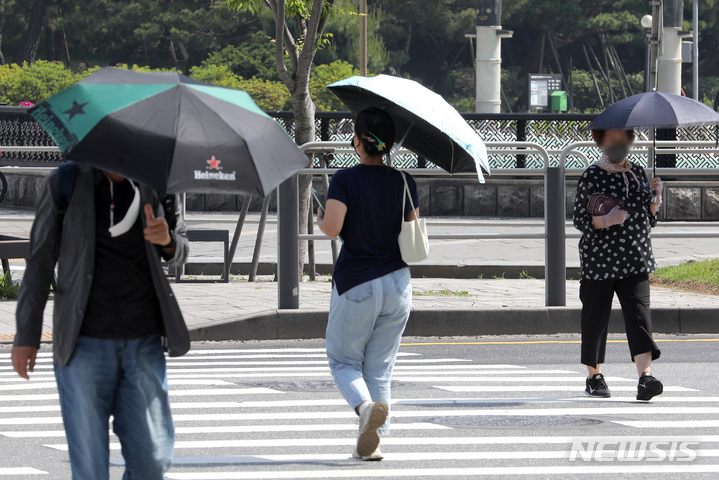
(376, 130)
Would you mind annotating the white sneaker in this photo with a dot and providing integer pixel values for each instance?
(376, 455)
(370, 421)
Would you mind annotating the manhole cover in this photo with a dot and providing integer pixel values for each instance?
(310, 385)
(511, 421)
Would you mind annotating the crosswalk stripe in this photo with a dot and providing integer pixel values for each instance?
(288, 362)
(171, 360)
(208, 376)
(336, 402)
(398, 368)
(393, 457)
(550, 388)
(445, 472)
(21, 471)
(414, 441)
(669, 423)
(655, 410)
(244, 429)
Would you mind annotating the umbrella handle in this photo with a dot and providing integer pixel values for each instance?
(399, 145)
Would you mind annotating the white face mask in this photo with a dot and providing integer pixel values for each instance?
(130, 217)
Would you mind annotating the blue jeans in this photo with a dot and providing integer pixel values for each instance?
(125, 379)
(363, 335)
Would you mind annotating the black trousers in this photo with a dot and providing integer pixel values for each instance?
(597, 296)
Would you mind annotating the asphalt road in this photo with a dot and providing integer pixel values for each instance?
(466, 407)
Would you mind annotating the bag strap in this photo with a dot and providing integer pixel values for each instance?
(67, 172)
(406, 193)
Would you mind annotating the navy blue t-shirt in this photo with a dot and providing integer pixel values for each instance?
(373, 196)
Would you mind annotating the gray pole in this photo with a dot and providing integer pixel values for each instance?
(695, 50)
(258, 241)
(654, 43)
(363, 37)
(288, 251)
(555, 267)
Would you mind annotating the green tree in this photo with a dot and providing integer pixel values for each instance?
(323, 75)
(425, 38)
(345, 38)
(252, 58)
(268, 95)
(310, 17)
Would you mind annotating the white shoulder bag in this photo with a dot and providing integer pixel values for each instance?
(413, 240)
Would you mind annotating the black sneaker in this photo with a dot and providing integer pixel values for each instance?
(597, 387)
(648, 387)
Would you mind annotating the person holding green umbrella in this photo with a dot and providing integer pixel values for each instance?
(107, 218)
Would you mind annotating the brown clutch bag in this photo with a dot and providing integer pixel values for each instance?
(601, 204)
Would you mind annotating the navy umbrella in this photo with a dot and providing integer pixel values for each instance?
(655, 110)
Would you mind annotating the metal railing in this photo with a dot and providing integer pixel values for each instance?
(555, 222)
(288, 234)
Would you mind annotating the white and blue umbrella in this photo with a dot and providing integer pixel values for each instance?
(426, 124)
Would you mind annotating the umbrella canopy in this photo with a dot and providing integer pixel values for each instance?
(434, 129)
(654, 110)
(171, 132)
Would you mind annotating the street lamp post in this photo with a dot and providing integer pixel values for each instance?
(646, 23)
(695, 50)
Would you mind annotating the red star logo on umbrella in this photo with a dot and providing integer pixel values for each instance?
(214, 164)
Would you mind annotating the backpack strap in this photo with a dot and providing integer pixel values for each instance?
(67, 173)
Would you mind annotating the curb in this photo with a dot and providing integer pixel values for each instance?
(444, 322)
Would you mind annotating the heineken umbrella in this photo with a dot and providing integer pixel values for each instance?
(426, 123)
(171, 132)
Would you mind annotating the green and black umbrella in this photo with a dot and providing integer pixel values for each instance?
(171, 132)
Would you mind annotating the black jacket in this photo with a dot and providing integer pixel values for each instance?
(75, 257)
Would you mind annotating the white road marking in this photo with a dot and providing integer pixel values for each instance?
(413, 441)
(280, 373)
(532, 379)
(670, 423)
(521, 388)
(21, 471)
(395, 456)
(348, 414)
(243, 429)
(408, 369)
(287, 362)
(445, 472)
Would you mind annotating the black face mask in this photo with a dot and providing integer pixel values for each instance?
(616, 153)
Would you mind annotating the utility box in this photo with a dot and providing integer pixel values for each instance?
(559, 101)
(541, 86)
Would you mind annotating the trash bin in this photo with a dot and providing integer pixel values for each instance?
(559, 101)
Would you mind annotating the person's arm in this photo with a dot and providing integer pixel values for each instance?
(657, 187)
(412, 214)
(333, 219)
(35, 288)
(173, 244)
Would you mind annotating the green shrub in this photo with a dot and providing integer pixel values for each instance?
(323, 75)
(267, 95)
(8, 289)
(35, 82)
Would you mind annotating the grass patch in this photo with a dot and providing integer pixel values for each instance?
(692, 276)
(441, 293)
(8, 290)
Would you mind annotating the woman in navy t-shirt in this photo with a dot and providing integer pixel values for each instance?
(372, 291)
